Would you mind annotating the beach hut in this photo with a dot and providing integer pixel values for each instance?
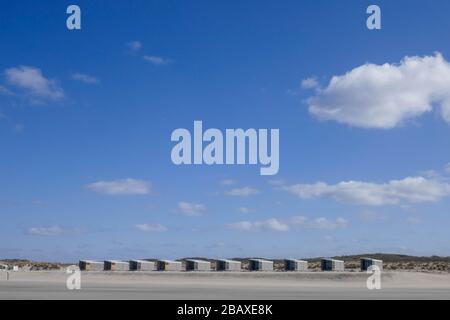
(142, 265)
(115, 265)
(296, 265)
(228, 265)
(332, 265)
(197, 265)
(169, 265)
(89, 265)
(368, 262)
(260, 265)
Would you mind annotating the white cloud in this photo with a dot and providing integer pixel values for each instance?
(33, 81)
(151, 227)
(18, 128)
(51, 231)
(385, 96)
(157, 61)
(134, 46)
(121, 187)
(299, 220)
(283, 226)
(270, 224)
(447, 168)
(243, 225)
(227, 182)
(274, 224)
(309, 83)
(242, 192)
(324, 223)
(319, 223)
(245, 210)
(5, 91)
(408, 190)
(45, 231)
(85, 78)
(191, 209)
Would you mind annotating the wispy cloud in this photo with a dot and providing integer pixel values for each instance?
(191, 209)
(408, 190)
(121, 187)
(447, 168)
(227, 182)
(5, 91)
(52, 231)
(134, 46)
(35, 84)
(18, 128)
(319, 223)
(306, 84)
(270, 224)
(157, 61)
(242, 192)
(275, 224)
(309, 83)
(245, 210)
(85, 78)
(151, 227)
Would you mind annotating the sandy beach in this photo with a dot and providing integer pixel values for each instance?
(227, 286)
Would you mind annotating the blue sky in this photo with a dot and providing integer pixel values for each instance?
(86, 118)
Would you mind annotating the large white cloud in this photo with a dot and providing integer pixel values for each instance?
(408, 190)
(385, 96)
(121, 187)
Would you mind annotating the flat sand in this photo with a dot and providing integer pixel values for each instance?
(226, 286)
